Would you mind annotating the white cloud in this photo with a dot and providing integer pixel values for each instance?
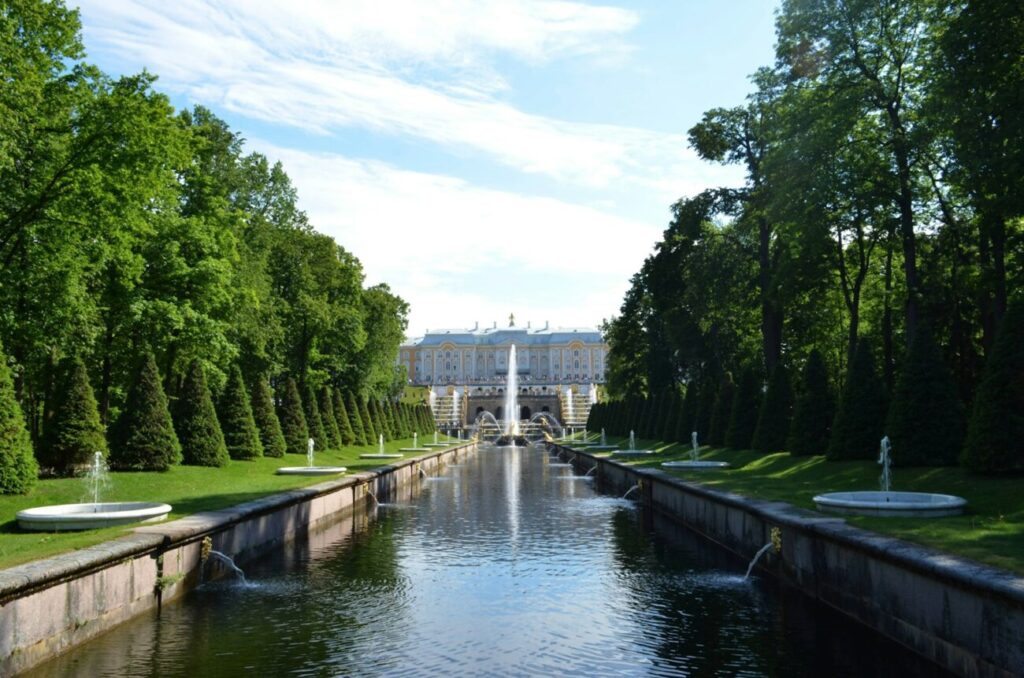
(428, 236)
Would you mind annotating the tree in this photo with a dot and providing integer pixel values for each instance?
(814, 409)
(362, 436)
(704, 415)
(18, 469)
(237, 422)
(995, 437)
(860, 415)
(370, 427)
(721, 411)
(143, 439)
(313, 420)
(346, 430)
(202, 441)
(685, 423)
(332, 434)
(776, 412)
(269, 427)
(75, 434)
(745, 406)
(293, 421)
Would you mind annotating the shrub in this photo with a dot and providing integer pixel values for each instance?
(313, 421)
(860, 415)
(775, 414)
(271, 437)
(75, 433)
(346, 432)
(199, 432)
(332, 434)
(18, 468)
(370, 427)
(814, 409)
(745, 406)
(995, 437)
(293, 421)
(240, 433)
(143, 439)
(359, 432)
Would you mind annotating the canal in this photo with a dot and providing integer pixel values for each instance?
(508, 564)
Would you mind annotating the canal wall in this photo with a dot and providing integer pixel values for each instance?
(51, 605)
(966, 617)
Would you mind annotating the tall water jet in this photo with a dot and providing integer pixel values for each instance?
(511, 393)
(455, 406)
(570, 418)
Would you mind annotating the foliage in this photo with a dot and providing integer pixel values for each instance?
(360, 436)
(263, 413)
(236, 419)
(860, 415)
(17, 465)
(143, 438)
(195, 420)
(814, 409)
(370, 427)
(293, 421)
(773, 420)
(332, 433)
(75, 433)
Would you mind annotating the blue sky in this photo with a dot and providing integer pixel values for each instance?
(480, 156)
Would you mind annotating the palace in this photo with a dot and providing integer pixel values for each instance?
(555, 367)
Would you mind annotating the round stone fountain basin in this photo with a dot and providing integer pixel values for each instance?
(437, 444)
(310, 470)
(911, 504)
(414, 449)
(600, 448)
(695, 464)
(385, 455)
(64, 517)
(632, 453)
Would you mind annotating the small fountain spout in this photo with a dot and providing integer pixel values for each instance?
(631, 491)
(757, 556)
(380, 443)
(592, 469)
(632, 440)
(884, 458)
(227, 561)
(310, 444)
(603, 441)
(694, 452)
(376, 502)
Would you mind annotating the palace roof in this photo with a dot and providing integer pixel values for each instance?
(503, 336)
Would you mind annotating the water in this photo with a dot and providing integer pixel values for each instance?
(230, 564)
(695, 448)
(632, 441)
(97, 479)
(511, 395)
(884, 458)
(502, 570)
(310, 444)
(380, 443)
(569, 417)
(757, 556)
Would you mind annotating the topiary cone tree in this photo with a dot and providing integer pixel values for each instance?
(75, 433)
(346, 431)
(380, 420)
(236, 420)
(995, 435)
(925, 422)
(18, 468)
(670, 416)
(143, 439)
(332, 435)
(313, 420)
(267, 423)
(369, 425)
(860, 415)
(773, 419)
(362, 436)
(719, 420)
(293, 421)
(707, 396)
(687, 414)
(814, 409)
(199, 432)
(745, 406)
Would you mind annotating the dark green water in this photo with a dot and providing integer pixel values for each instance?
(507, 565)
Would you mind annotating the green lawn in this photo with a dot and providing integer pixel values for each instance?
(992, 530)
(189, 489)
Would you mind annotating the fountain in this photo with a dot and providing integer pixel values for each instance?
(437, 444)
(94, 514)
(601, 446)
(310, 469)
(635, 488)
(381, 454)
(415, 445)
(889, 503)
(512, 435)
(632, 451)
(570, 417)
(694, 462)
(757, 556)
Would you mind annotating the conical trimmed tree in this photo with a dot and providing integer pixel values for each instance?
(75, 433)
(860, 414)
(773, 419)
(721, 411)
(995, 436)
(707, 396)
(195, 420)
(687, 414)
(332, 434)
(346, 431)
(236, 421)
(370, 427)
(670, 416)
(813, 411)
(293, 421)
(143, 439)
(745, 406)
(380, 420)
(925, 422)
(361, 436)
(267, 423)
(313, 420)
(18, 468)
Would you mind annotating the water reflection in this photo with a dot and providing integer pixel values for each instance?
(509, 567)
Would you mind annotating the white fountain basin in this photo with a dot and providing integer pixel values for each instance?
(602, 448)
(911, 504)
(414, 449)
(64, 517)
(310, 470)
(437, 444)
(385, 455)
(632, 453)
(695, 464)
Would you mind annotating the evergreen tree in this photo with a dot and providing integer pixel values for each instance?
(428, 416)
(707, 395)
(199, 432)
(721, 411)
(670, 417)
(925, 422)
(346, 432)
(814, 409)
(359, 433)
(236, 421)
(75, 433)
(860, 415)
(380, 420)
(293, 421)
(773, 420)
(369, 425)
(745, 406)
(995, 437)
(332, 431)
(18, 469)
(143, 439)
(687, 414)
(271, 437)
(313, 420)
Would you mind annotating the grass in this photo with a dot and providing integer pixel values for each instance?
(189, 489)
(992, 530)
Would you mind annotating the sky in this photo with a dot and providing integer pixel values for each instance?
(481, 157)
